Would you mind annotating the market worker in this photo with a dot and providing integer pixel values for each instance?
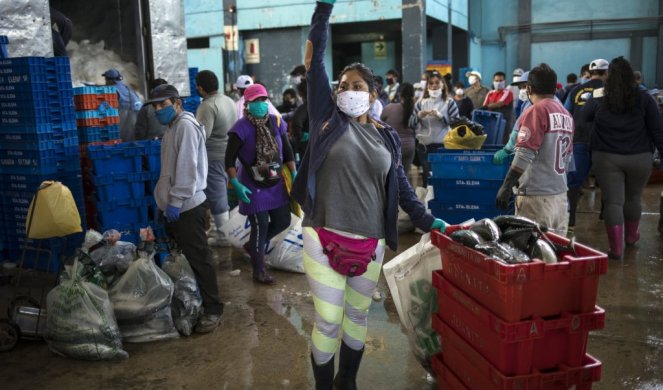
(130, 104)
(180, 195)
(500, 99)
(543, 150)
(350, 184)
(242, 83)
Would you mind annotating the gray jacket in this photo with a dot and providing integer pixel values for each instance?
(217, 114)
(183, 164)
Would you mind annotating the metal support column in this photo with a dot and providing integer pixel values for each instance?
(413, 30)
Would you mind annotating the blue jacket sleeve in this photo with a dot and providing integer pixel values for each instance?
(320, 102)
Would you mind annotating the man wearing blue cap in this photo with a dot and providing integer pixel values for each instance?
(130, 104)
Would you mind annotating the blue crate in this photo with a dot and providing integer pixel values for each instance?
(457, 212)
(120, 158)
(4, 41)
(493, 125)
(95, 90)
(120, 186)
(468, 190)
(122, 212)
(25, 139)
(98, 134)
(467, 164)
(104, 111)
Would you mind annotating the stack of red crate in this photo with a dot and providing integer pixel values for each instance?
(516, 326)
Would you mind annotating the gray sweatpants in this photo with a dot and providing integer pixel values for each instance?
(217, 187)
(622, 178)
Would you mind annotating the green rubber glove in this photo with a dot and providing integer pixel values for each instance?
(241, 190)
(328, 1)
(293, 175)
(499, 156)
(439, 224)
(304, 137)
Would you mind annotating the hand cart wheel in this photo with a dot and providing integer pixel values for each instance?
(10, 333)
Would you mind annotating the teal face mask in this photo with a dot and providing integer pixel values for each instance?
(258, 109)
(166, 115)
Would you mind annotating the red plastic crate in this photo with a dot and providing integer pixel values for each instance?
(475, 372)
(92, 101)
(109, 120)
(446, 380)
(516, 348)
(516, 292)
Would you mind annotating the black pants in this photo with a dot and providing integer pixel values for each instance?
(190, 236)
(267, 224)
(423, 151)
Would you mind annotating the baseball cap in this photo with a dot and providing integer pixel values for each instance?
(599, 64)
(112, 74)
(473, 72)
(523, 79)
(518, 72)
(162, 92)
(243, 81)
(255, 91)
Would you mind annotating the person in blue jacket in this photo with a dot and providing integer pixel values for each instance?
(130, 104)
(351, 182)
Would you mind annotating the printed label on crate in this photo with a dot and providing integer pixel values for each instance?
(468, 183)
(458, 206)
(468, 279)
(13, 79)
(9, 105)
(470, 158)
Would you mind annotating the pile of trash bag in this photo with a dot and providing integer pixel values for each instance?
(187, 303)
(464, 134)
(81, 323)
(111, 255)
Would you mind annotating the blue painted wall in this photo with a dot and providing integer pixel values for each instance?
(558, 10)
(204, 18)
(380, 66)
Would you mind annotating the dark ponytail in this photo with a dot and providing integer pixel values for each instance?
(407, 100)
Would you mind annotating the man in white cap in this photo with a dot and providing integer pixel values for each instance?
(476, 92)
(242, 83)
(517, 74)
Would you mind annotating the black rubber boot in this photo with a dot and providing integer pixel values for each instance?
(346, 379)
(573, 195)
(324, 374)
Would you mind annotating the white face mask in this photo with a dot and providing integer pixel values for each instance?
(499, 84)
(472, 80)
(516, 78)
(295, 80)
(435, 93)
(353, 103)
(522, 94)
(459, 92)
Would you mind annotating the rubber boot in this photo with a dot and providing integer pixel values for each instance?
(573, 195)
(260, 274)
(220, 238)
(324, 374)
(616, 240)
(632, 232)
(346, 379)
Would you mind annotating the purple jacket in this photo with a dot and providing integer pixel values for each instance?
(262, 199)
(327, 124)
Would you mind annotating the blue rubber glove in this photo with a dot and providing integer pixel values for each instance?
(304, 137)
(241, 190)
(499, 156)
(172, 213)
(439, 225)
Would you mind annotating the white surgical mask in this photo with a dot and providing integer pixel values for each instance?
(353, 103)
(295, 80)
(459, 91)
(499, 84)
(435, 93)
(472, 80)
(516, 78)
(522, 94)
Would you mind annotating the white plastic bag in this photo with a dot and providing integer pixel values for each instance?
(81, 323)
(187, 303)
(425, 195)
(288, 248)
(238, 231)
(141, 301)
(410, 280)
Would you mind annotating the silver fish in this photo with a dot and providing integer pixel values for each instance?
(542, 250)
(511, 221)
(467, 238)
(487, 229)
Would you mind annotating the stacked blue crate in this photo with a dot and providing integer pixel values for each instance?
(465, 184)
(97, 113)
(123, 176)
(493, 125)
(192, 102)
(38, 142)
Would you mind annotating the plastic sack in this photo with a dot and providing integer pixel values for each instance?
(187, 303)
(462, 137)
(238, 229)
(141, 300)
(80, 322)
(55, 212)
(114, 260)
(410, 279)
(425, 195)
(288, 248)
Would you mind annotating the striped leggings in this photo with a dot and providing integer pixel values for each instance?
(340, 301)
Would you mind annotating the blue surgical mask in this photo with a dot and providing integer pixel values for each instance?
(166, 115)
(258, 109)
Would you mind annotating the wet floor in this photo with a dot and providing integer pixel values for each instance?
(264, 340)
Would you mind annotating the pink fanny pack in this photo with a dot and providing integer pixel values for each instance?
(347, 256)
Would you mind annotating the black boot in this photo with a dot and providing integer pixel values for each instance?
(346, 379)
(260, 274)
(324, 374)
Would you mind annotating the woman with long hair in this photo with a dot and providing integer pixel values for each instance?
(627, 127)
(350, 185)
(431, 117)
(397, 115)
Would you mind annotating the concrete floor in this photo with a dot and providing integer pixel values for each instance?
(264, 341)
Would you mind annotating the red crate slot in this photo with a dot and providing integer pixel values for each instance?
(109, 120)
(516, 292)
(475, 372)
(517, 348)
(446, 380)
(92, 101)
